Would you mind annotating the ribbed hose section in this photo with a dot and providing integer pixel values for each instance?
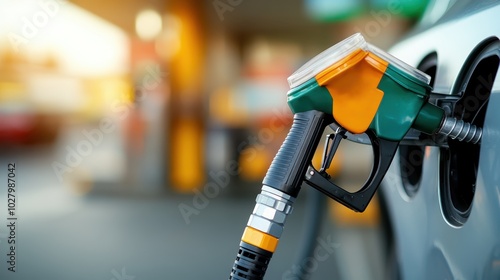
(262, 234)
(460, 130)
(251, 263)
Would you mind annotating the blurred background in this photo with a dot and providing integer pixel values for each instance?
(141, 131)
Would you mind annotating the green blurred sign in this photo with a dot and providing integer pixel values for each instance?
(343, 10)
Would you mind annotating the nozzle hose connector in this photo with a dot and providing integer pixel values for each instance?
(261, 236)
(460, 130)
(271, 210)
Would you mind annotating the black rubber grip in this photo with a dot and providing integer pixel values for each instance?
(251, 263)
(288, 168)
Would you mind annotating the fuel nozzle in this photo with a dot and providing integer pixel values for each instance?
(363, 91)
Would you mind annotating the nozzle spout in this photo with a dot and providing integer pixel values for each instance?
(460, 130)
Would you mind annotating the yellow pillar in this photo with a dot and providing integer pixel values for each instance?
(186, 154)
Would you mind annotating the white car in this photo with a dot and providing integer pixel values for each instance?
(443, 202)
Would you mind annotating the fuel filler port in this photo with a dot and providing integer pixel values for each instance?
(459, 161)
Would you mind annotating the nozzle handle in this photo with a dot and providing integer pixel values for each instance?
(289, 166)
(281, 185)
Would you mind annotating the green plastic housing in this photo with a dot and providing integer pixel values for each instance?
(404, 104)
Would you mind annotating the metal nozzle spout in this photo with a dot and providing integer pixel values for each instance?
(460, 130)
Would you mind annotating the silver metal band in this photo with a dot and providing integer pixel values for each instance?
(271, 210)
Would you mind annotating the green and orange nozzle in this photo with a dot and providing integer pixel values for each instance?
(361, 90)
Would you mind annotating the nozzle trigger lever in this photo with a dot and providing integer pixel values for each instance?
(330, 149)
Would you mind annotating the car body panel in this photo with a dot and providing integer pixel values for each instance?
(453, 41)
(427, 245)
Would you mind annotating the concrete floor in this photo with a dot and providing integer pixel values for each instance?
(107, 235)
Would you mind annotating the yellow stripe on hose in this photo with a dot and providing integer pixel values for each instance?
(260, 239)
